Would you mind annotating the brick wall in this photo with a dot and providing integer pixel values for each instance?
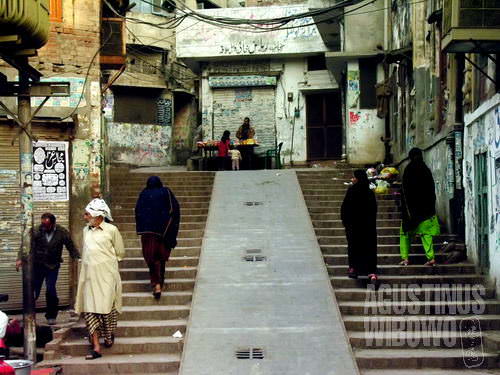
(72, 42)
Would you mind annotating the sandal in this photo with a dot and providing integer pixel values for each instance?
(93, 355)
(404, 262)
(109, 344)
(431, 263)
(373, 280)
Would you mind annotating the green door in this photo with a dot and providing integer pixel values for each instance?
(481, 180)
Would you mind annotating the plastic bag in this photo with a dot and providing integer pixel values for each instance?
(382, 187)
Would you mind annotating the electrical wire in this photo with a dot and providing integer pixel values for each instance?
(87, 77)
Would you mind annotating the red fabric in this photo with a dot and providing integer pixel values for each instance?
(44, 371)
(223, 149)
(156, 255)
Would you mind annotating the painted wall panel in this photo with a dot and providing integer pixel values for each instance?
(138, 144)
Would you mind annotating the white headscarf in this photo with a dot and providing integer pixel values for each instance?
(97, 207)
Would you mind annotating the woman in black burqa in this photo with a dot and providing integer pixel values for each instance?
(157, 217)
(359, 216)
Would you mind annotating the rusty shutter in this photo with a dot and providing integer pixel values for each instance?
(10, 234)
(233, 104)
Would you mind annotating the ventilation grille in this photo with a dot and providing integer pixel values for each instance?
(250, 353)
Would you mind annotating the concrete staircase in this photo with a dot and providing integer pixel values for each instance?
(398, 329)
(144, 342)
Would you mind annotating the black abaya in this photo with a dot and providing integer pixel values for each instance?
(359, 216)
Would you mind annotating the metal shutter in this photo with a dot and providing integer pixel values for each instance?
(257, 103)
(10, 280)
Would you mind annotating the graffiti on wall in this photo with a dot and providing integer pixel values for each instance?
(481, 136)
(144, 145)
(209, 40)
(352, 88)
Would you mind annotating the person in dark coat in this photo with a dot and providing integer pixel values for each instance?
(47, 245)
(359, 216)
(418, 201)
(157, 217)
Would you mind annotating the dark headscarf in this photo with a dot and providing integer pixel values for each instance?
(157, 211)
(418, 194)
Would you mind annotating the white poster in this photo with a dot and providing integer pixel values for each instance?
(50, 171)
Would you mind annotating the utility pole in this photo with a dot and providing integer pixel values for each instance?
(26, 187)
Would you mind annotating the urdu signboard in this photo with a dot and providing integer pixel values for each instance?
(50, 171)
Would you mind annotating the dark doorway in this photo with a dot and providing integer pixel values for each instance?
(324, 126)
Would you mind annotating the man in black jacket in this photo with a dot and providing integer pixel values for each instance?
(46, 247)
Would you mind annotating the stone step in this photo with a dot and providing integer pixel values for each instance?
(442, 337)
(382, 249)
(184, 212)
(147, 299)
(144, 285)
(338, 223)
(170, 273)
(139, 262)
(383, 204)
(125, 345)
(178, 252)
(417, 359)
(345, 282)
(181, 242)
(381, 231)
(341, 240)
(161, 312)
(130, 203)
(192, 233)
(396, 270)
(124, 227)
(413, 322)
(130, 219)
(328, 215)
(328, 210)
(382, 259)
(315, 195)
(137, 328)
(171, 184)
(124, 198)
(374, 307)
(186, 191)
(119, 364)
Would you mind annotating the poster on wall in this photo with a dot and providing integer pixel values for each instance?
(50, 171)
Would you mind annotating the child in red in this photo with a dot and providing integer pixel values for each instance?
(223, 152)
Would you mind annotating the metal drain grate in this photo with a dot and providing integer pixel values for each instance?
(254, 255)
(254, 258)
(250, 353)
(253, 203)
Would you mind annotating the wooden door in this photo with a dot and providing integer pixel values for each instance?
(324, 126)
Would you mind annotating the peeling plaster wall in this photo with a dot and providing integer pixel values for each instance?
(207, 41)
(139, 144)
(482, 134)
(364, 128)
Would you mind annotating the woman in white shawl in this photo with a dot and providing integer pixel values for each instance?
(99, 295)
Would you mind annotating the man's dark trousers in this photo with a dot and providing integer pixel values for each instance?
(42, 273)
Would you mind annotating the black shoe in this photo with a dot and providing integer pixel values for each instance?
(93, 355)
(352, 274)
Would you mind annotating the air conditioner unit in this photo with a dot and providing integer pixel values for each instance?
(471, 26)
(113, 39)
